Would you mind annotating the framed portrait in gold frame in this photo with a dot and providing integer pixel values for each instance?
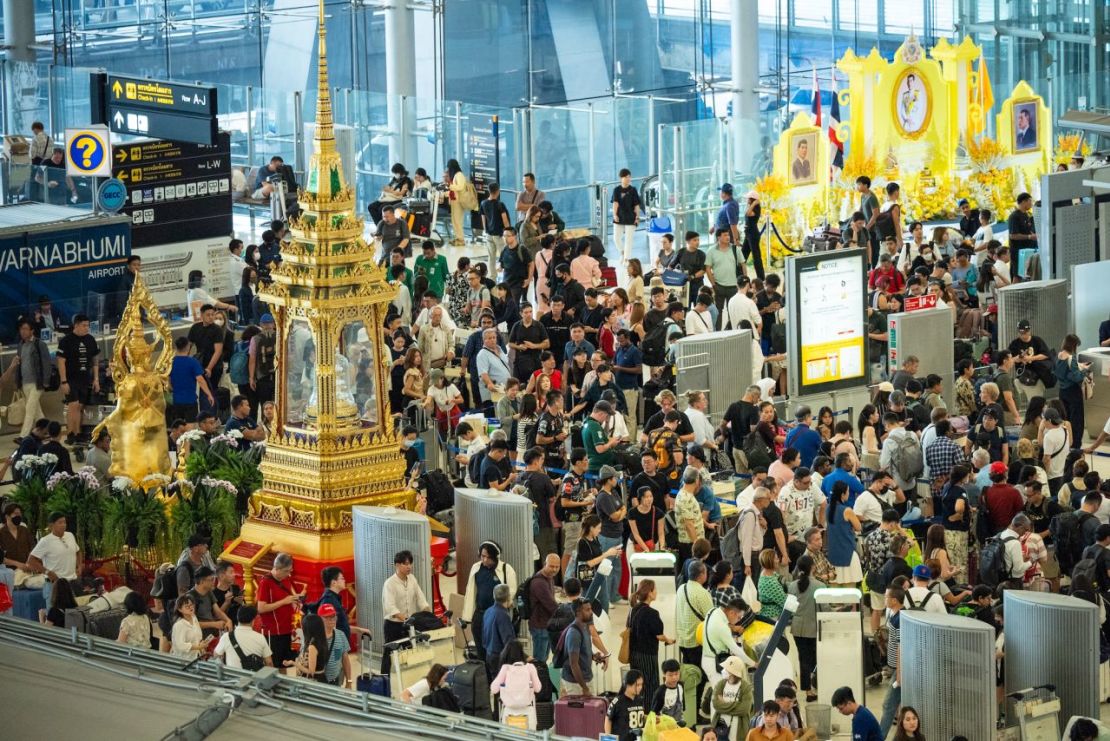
(911, 104)
(1025, 125)
(803, 159)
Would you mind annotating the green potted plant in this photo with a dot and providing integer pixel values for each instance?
(31, 492)
(135, 516)
(81, 497)
(205, 506)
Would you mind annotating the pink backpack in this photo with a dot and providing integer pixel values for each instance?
(517, 690)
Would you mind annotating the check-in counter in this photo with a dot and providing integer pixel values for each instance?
(1097, 409)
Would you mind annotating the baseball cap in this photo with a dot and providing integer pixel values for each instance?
(1024, 325)
(266, 318)
(326, 610)
(606, 473)
(921, 571)
(603, 406)
(725, 188)
(886, 386)
(998, 468)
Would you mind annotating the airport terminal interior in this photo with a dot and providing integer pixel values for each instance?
(555, 369)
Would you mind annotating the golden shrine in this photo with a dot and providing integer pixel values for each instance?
(333, 445)
(920, 120)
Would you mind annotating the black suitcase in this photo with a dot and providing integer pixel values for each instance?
(545, 715)
(103, 624)
(470, 683)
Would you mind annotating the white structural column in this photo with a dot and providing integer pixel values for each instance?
(744, 27)
(400, 79)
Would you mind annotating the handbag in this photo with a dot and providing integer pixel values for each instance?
(1088, 388)
(5, 599)
(17, 409)
(625, 652)
(674, 278)
(750, 594)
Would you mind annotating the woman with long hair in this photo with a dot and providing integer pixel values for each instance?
(1070, 375)
(457, 185)
(415, 381)
(1032, 420)
(825, 422)
(245, 297)
(956, 518)
(433, 680)
(314, 648)
(636, 282)
(868, 425)
(966, 405)
(516, 684)
(935, 549)
(61, 599)
(772, 597)
(645, 628)
(804, 624)
(530, 230)
(720, 584)
(590, 554)
(844, 529)
(908, 727)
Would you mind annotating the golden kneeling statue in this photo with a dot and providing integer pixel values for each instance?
(138, 423)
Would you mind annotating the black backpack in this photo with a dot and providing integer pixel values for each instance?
(522, 601)
(474, 466)
(167, 584)
(993, 566)
(250, 662)
(559, 656)
(564, 616)
(440, 491)
(1067, 532)
(654, 344)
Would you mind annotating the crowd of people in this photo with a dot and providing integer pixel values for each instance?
(927, 506)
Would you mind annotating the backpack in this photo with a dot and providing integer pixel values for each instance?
(440, 491)
(654, 344)
(240, 364)
(250, 662)
(522, 601)
(906, 457)
(1085, 575)
(730, 543)
(474, 467)
(993, 566)
(516, 690)
(1067, 532)
(884, 224)
(559, 656)
(919, 606)
(564, 616)
(265, 356)
(442, 698)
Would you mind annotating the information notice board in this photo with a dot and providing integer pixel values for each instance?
(827, 321)
(483, 150)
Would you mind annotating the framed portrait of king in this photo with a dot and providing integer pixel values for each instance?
(1026, 134)
(912, 104)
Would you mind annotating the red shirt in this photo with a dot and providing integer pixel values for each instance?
(1003, 503)
(556, 380)
(280, 621)
(897, 281)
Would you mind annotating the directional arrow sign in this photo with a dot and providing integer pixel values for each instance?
(162, 95)
(167, 110)
(117, 89)
(146, 122)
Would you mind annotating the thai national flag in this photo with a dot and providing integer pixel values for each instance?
(816, 109)
(834, 122)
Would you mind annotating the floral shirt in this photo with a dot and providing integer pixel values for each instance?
(458, 304)
(965, 398)
(771, 597)
(875, 547)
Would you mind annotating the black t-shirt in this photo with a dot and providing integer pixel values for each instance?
(79, 354)
(232, 610)
(535, 333)
(1041, 516)
(647, 523)
(659, 484)
(876, 324)
(626, 716)
(996, 436)
(690, 262)
(587, 551)
(628, 204)
(743, 416)
(492, 209)
(558, 331)
(491, 472)
(656, 421)
(763, 299)
(204, 339)
(1021, 223)
(65, 463)
(645, 626)
(751, 223)
(1019, 347)
(540, 491)
(592, 317)
(773, 516)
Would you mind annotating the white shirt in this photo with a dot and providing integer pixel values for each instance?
(444, 397)
(935, 604)
(928, 437)
(403, 597)
(868, 507)
(474, 447)
(58, 554)
(758, 359)
(185, 635)
(425, 318)
(1015, 559)
(909, 253)
(418, 691)
(196, 298)
(703, 429)
(235, 267)
(982, 235)
(739, 308)
(798, 507)
(1056, 447)
(250, 641)
(699, 322)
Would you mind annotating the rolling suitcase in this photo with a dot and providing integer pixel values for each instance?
(368, 681)
(545, 714)
(609, 277)
(470, 683)
(579, 715)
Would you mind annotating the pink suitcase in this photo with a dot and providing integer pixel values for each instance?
(580, 715)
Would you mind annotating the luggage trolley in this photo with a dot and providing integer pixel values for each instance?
(1037, 710)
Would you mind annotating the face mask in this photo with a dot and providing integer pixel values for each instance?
(408, 443)
(17, 520)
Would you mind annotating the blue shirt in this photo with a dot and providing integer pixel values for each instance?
(865, 727)
(709, 503)
(729, 214)
(628, 357)
(578, 639)
(806, 441)
(497, 630)
(855, 488)
(183, 378)
(571, 346)
(246, 423)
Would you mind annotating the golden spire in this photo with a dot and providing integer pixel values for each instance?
(325, 134)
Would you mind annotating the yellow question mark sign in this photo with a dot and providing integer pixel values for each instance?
(87, 145)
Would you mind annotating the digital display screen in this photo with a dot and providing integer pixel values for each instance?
(830, 294)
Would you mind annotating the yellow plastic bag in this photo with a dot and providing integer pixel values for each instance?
(654, 725)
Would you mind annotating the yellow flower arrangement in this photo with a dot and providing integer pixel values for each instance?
(1066, 146)
(772, 190)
